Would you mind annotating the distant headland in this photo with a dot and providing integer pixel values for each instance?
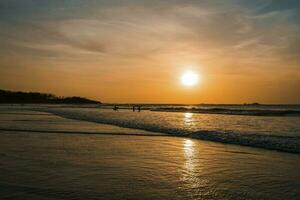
(41, 98)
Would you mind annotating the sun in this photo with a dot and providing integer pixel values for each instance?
(189, 78)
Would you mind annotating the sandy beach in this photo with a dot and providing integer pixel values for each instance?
(59, 158)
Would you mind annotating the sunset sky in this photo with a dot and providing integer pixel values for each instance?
(243, 51)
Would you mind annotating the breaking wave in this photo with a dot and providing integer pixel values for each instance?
(228, 111)
(272, 142)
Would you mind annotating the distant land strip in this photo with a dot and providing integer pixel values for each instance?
(41, 98)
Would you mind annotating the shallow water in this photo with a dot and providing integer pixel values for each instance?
(53, 165)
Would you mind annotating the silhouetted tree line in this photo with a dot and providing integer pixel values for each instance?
(36, 97)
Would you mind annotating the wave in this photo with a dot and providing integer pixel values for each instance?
(289, 144)
(228, 111)
(280, 143)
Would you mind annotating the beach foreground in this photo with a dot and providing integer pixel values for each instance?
(44, 156)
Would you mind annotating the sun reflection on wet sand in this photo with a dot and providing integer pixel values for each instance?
(189, 165)
(188, 147)
(188, 154)
(192, 168)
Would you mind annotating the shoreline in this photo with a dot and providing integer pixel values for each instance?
(253, 141)
(280, 143)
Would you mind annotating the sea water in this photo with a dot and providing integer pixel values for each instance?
(269, 127)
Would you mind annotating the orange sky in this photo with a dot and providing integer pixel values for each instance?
(136, 51)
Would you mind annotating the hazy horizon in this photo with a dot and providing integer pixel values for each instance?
(137, 51)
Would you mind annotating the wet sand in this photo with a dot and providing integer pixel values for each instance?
(59, 158)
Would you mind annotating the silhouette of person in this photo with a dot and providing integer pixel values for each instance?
(115, 108)
(133, 108)
(139, 108)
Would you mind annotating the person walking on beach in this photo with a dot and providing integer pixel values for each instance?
(139, 108)
(133, 108)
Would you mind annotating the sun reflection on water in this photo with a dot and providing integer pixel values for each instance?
(188, 120)
(188, 117)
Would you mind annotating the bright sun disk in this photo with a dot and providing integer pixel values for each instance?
(189, 78)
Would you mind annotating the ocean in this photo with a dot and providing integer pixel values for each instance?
(274, 127)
